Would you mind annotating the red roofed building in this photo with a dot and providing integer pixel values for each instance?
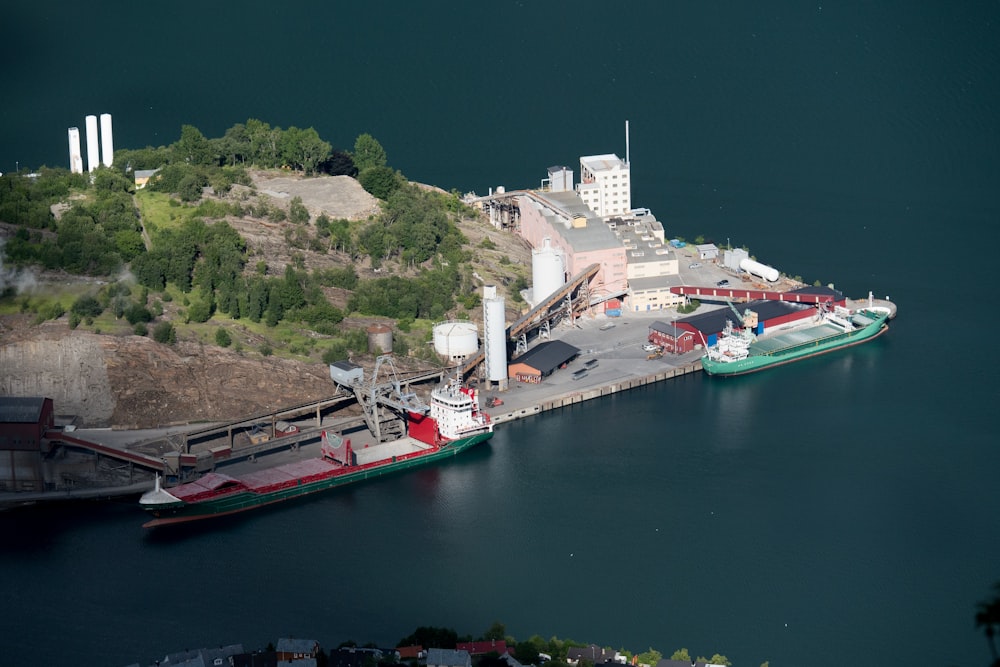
(410, 652)
(481, 648)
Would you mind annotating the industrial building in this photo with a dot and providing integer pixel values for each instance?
(770, 314)
(670, 337)
(578, 235)
(605, 186)
(23, 423)
(541, 361)
(652, 266)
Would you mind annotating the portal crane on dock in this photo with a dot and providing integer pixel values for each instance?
(385, 403)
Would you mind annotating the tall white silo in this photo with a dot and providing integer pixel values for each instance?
(107, 143)
(75, 156)
(93, 156)
(547, 271)
(495, 336)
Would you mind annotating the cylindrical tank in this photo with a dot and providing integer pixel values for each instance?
(547, 271)
(456, 339)
(93, 145)
(766, 272)
(75, 156)
(379, 338)
(107, 143)
(494, 335)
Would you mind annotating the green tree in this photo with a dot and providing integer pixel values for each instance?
(136, 313)
(87, 306)
(222, 338)
(720, 660)
(297, 212)
(368, 153)
(430, 636)
(379, 182)
(497, 631)
(192, 147)
(164, 333)
(650, 657)
(303, 149)
(681, 654)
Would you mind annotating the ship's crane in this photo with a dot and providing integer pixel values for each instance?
(739, 316)
(384, 403)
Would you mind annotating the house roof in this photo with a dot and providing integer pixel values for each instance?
(669, 329)
(488, 646)
(560, 207)
(654, 283)
(293, 645)
(593, 654)
(406, 652)
(547, 356)
(714, 321)
(447, 656)
(202, 657)
(21, 409)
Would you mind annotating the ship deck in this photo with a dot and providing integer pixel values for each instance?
(384, 451)
(803, 336)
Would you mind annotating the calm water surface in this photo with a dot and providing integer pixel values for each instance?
(843, 506)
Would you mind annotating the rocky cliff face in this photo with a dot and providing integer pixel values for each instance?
(135, 382)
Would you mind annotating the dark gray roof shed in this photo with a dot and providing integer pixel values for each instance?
(548, 356)
(21, 409)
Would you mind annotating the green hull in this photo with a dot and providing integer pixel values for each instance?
(761, 360)
(242, 501)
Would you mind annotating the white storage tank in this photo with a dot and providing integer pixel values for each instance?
(766, 272)
(547, 271)
(456, 339)
(93, 144)
(494, 335)
(75, 156)
(107, 142)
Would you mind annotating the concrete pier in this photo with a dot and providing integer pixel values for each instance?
(513, 410)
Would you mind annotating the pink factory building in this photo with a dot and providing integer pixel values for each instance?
(582, 236)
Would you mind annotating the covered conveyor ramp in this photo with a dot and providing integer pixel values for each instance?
(740, 294)
(541, 314)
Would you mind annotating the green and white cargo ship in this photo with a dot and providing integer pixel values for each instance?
(740, 351)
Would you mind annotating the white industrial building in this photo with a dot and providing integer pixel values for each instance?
(605, 185)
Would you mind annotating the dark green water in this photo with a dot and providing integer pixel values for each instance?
(843, 506)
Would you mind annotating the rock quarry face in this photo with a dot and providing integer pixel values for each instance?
(134, 382)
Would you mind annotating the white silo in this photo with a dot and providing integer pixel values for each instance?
(456, 339)
(75, 156)
(107, 143)
(93, 156)
(495, 336)
(547, 272)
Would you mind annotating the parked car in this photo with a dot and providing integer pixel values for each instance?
(696, 265)
(649, 347)
(722, 283)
